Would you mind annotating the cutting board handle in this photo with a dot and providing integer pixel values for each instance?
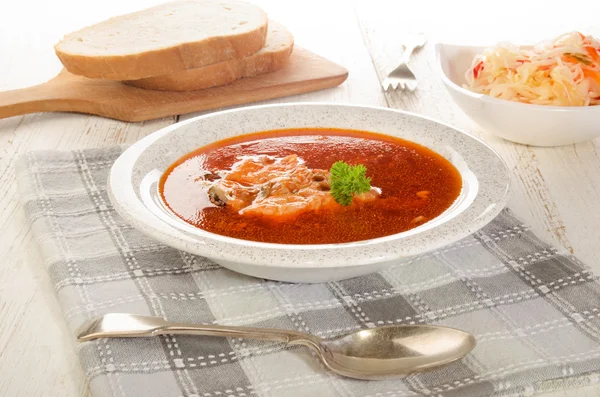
(39, 98)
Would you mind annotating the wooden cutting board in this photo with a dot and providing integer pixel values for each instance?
(67, 92)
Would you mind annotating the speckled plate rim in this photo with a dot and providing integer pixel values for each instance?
(492, 195)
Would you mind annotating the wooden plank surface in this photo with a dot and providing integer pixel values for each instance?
(555, 190)
(304, 72)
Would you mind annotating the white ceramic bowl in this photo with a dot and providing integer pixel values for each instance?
(536, 125)
(133, 190)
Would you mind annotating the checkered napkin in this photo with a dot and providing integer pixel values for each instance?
(534, 311)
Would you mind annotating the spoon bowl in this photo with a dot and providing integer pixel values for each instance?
(375, 353)
(395, 350)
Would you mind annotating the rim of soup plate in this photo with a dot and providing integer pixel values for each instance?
(186, 237)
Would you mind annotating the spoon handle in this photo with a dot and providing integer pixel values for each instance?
(121, 325)
(277, 335)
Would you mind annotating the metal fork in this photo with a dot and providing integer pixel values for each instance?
(402, 76)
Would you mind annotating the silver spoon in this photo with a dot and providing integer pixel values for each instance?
(376, 353)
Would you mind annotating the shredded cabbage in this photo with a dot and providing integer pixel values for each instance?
(563, 72)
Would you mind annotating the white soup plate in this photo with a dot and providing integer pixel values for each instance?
(133, 190)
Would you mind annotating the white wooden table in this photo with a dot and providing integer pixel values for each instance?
(555, 190)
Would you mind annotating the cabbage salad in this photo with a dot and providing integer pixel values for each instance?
(562, 72)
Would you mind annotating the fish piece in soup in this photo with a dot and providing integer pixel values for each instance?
(276, 187)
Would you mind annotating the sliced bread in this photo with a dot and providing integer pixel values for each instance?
(165, 39)
(273, 56)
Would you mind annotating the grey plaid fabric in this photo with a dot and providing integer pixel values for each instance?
(534, 311)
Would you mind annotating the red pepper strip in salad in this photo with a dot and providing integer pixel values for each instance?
(477, 69)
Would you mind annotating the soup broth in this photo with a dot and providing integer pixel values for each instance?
(414, 185)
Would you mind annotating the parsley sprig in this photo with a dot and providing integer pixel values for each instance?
(348, 180)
